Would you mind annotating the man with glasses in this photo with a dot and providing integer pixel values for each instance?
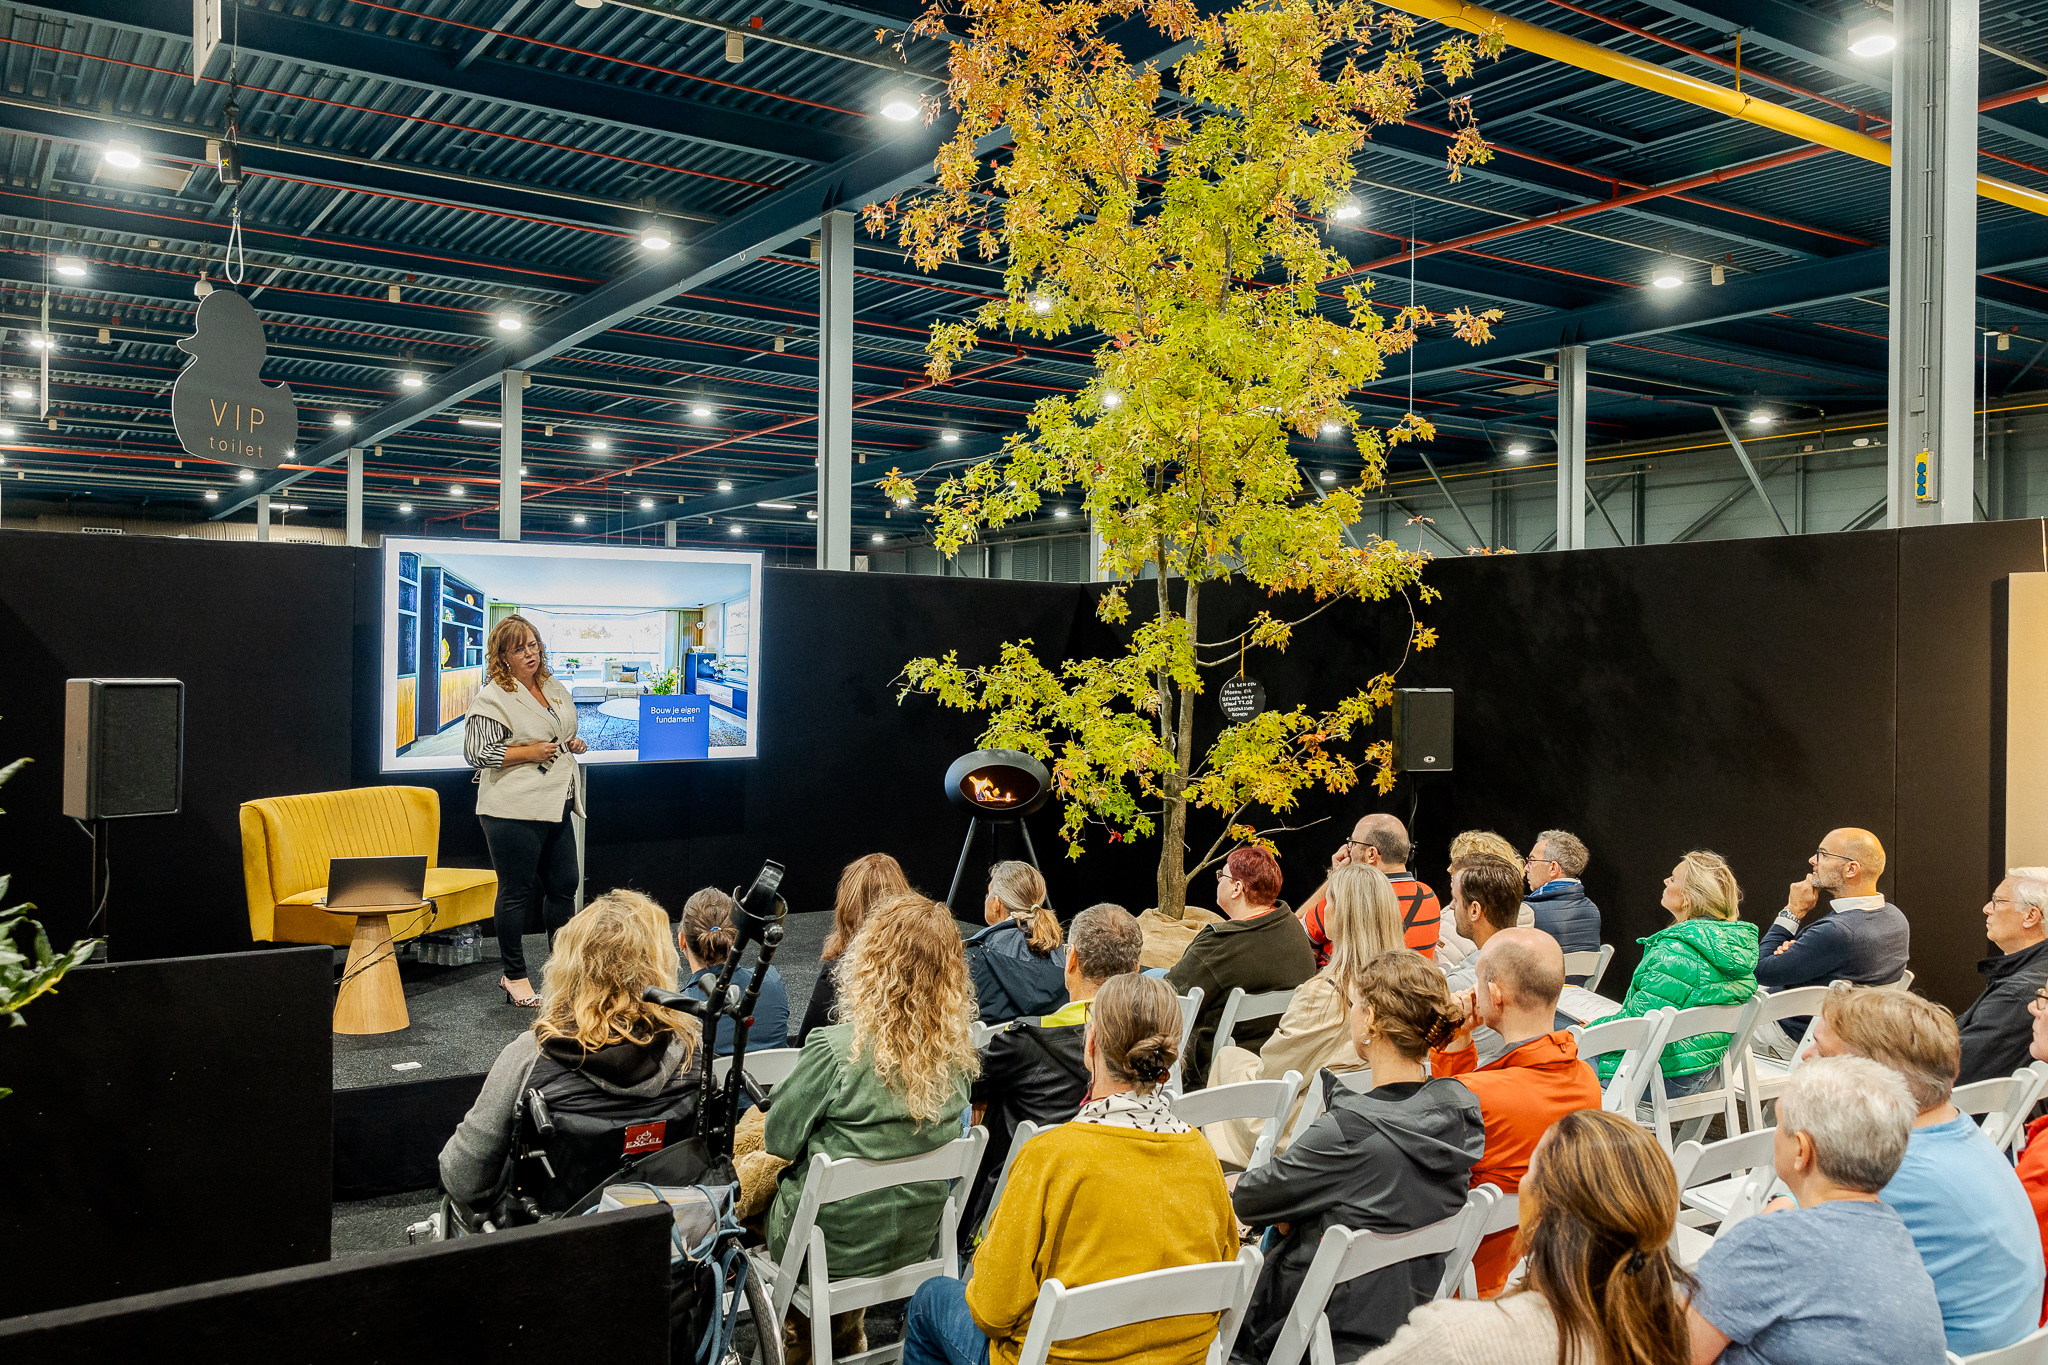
(1997, 1028)
(1864, 939)
(1379, 841)
(1563, 909)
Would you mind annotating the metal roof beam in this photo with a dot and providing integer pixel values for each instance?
(379, 57)
(2010, 247)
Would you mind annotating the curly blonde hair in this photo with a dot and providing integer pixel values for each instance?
(608, 952)
(904, 987)
(508, 635)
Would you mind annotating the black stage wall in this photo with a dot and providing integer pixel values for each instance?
(1738, 695)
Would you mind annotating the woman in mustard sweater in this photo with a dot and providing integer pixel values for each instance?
(1124, 1188)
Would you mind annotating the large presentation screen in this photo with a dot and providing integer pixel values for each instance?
(658, 649)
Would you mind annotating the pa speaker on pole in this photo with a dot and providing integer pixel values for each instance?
(124, 747)
(1422, 719)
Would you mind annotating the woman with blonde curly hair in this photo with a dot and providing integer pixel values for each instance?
(889, 1081)
(520, 736)
(623, 1052)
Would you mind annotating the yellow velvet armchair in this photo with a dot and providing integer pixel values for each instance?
(287, 840)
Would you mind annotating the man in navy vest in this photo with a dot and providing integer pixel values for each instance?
(1563, 909)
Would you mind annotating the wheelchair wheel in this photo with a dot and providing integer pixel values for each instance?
(767, 1332)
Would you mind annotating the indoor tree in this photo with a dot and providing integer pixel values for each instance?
(1177, 222)
(26, 975)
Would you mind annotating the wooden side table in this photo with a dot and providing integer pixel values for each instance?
(372, 997)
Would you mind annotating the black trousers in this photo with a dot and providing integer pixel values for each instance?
(535, 861)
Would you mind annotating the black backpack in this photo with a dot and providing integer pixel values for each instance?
(576, 1137)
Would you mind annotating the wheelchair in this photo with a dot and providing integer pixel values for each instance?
(580, 1148)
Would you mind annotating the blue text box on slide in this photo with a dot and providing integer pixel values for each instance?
(675, 727)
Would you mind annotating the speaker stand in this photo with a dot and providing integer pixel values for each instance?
(99, 883)
(974, 823)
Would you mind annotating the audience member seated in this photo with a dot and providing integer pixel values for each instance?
(1398, 1157)
(1315, 1032)
(889, 1082)
(1537, 1081)
(1453, 947)
(2033, 1170)
(862, 885)
(1864, 939)
(1563, 910)
(1958, 1195)
(707, 937)
(1381, 842)
(1123, 1189)
(1706, 957)
(1486, 897)
(631, 1057)
(1831, 1274)
(1996, 1028)
(1597, 1210)
(1260, 946)
(1038, 1070)
(1016, 963)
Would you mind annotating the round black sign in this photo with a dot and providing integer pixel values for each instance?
(1241, 698)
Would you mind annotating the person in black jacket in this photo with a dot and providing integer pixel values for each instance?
(1396, 1158)
(1037, 1069)
(1016, 964)
(1996, 1028)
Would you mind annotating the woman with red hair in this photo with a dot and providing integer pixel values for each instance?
(1260, 946)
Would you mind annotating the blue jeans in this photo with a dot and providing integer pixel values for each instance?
(938, 1329)
(1675, 1086)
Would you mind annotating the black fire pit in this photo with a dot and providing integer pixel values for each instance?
(996, 787)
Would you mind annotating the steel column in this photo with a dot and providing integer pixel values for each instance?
(668, 534)
(1571, 447)
(263, 516)
(1933, 264)
(835, 391)
(511, 403)
(353, 515)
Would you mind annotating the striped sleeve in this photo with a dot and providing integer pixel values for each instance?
(483, 742)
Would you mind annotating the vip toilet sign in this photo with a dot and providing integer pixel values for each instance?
(220, 406)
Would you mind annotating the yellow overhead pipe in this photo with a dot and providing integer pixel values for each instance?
(1601, 61)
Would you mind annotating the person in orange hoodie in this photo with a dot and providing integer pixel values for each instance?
(1537, 1081)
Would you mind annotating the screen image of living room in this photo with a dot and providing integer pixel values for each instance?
(619, 624)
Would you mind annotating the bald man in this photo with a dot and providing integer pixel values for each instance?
(1537, 1081)
(1864, 938)
(1379, 841)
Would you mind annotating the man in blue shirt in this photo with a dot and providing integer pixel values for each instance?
(1958, 1195)
(1557, 896)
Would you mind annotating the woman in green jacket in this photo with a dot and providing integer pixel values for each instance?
(1707, 956)
(889, 1081)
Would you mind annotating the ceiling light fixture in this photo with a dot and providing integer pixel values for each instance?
(737, 529)
(1872, 39)
(700, 409)
(456, 490)
(903, 502)
(69, 266)
(510, 322)
(411, 379)
(1668, 273)
(1519, 449)
(342, 421)
(405, 509)
(123, 153)
(246, 475)
(212, 496)
(1760, 418)
(810, 516)
(39, 341)
(1328, 476)
(1332, 428)
(1112, 399)
(647, 504)
(898, 106)
(1040, 304)
(724, 486)
(1347, 210)
(577, 519)
(778, 506)
(21, 392)
(877, 538)
(1059, 513)
(949, 436)
(479, 422)
(655, 237)
(6, 428)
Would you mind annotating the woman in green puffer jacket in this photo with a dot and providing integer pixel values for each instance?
(1706, 957)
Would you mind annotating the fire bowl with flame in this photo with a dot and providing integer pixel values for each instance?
(1000, 783)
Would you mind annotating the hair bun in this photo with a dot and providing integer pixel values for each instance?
(1443, 1029)
(1150, 1060)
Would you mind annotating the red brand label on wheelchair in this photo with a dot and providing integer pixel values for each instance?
(645, 1137)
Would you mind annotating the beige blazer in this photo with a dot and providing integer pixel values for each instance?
(524, 791)
(1314, 1035)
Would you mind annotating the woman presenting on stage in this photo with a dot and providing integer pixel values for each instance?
(520, 736)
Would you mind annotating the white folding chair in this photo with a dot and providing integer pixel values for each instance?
(2031, 1349)
(1312, 1106)
(1761, 1079)
(1694, 1111)
(1269, 1101)
(1190, 1006)
(1224, 1287)
(1239, 1008)
(1025, 1131)
(979, 1033)
(2001, 1104)
(1590, 963)
(767, 1068)
(1728, 1181)
(1639, 1041)
(1503, 1212)
(1344, 1254)
(803, 1279)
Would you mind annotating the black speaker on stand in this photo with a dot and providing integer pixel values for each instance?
(1422, 719)
(124, 756)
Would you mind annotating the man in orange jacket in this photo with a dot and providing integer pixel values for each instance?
(1537, 1081)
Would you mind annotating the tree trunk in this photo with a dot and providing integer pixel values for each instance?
(1173, 834)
